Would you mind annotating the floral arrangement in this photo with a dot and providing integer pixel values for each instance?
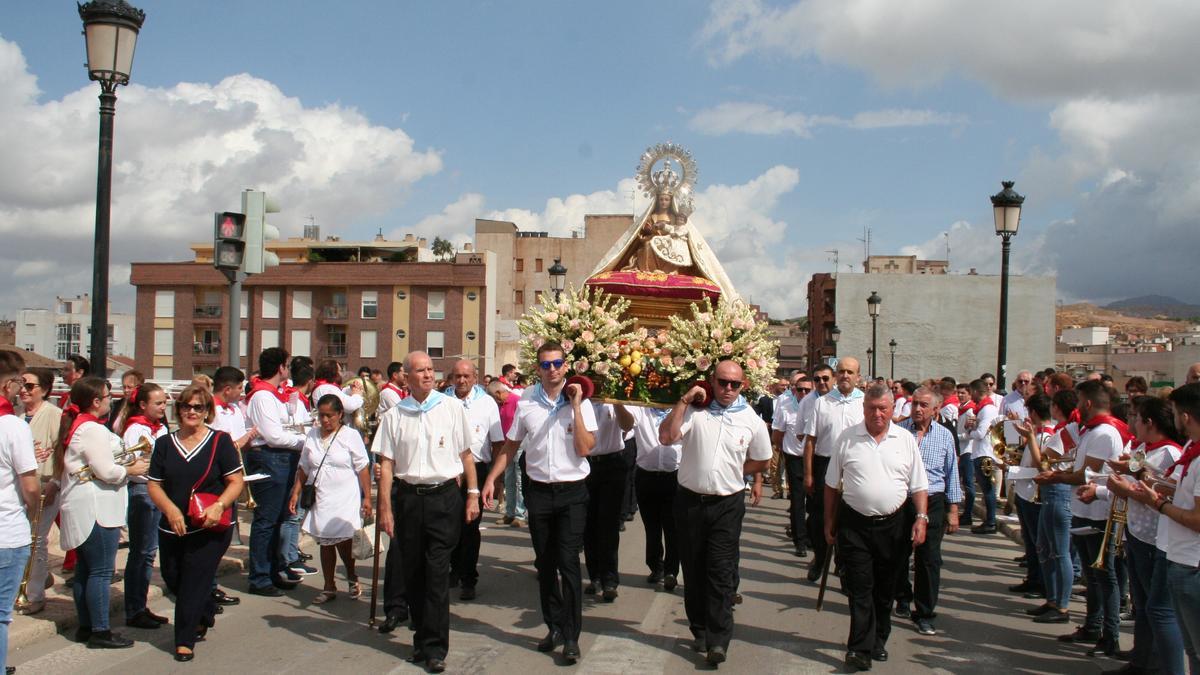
(728, 331)
(586, 322)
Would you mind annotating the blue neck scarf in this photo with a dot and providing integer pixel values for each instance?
(659, 414)
(715, 408)
(836, 394)
(411, 406)
(477, 392)
(539, 394)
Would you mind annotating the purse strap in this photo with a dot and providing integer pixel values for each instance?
(211, 456)
(327, 449)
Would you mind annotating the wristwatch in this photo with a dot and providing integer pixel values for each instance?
(923, 516)
(1161, 503)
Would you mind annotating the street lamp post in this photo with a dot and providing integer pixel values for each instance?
(871, 360)
(1006, 208)
(892, 349)
(873, 303)
(110, 29)
(558, 278)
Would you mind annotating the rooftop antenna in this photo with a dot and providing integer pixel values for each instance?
(834, 251)
(947, 236)
(866, 240)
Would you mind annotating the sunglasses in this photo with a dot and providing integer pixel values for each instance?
(824, 378)
(556, 363)
(803, 390)
(192, 407)
(729, 384)
(30, 386)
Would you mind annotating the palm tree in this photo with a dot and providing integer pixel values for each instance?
(442, 248)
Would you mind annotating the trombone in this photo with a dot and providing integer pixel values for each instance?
(35, 540)
(123, 456)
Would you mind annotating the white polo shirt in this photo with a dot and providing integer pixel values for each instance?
(787, 421)
(980, 443)
(652, 455)
(546, 430)
(876, 477)
(833, 414)
(1163, 536)
(231, 420)
(716, 445)
(426, 445)
(484, 416)
(610, 439)
(1104, 442)
(389, 395)
(1183, 543)
(16, 458)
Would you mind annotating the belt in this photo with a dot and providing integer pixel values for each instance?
(422, 489)
(708, 499)
(872, 519)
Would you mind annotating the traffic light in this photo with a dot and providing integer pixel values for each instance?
(256, 205)
(229, 240)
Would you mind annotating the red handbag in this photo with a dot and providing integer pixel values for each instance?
(198, 502)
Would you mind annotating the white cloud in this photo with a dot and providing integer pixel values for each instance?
(455, 223)
(180, 153)
(761, 119)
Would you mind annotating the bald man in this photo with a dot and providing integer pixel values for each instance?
(1193, 373)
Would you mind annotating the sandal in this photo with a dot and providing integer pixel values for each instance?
(355, 589)
(324, 597)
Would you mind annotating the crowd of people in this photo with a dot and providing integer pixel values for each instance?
(875, 472)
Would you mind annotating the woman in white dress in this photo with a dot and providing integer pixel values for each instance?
(334, 459)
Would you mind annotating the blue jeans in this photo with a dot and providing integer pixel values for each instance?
(1184, 584)
(1029, 513)
(1156, 639)
(1054, 544)
(143, 546)
(12, 568)
(289, 536)
(966, 472)
(1103, 600)
(989, 492)
(93, 577)
(514, 496)
(271, 496)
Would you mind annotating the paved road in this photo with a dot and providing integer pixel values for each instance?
(981, 629)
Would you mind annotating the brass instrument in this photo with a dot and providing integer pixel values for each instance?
(365, 415)
(123, 456)
(35, 540)
(1114, 529)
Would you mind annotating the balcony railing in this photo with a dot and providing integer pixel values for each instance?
(335, 312)
(335, 351)
(206, 348)
(208, 312)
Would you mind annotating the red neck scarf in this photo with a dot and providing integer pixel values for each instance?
(258, 384)
(6, 407)
(1105, 418)
(1151, 447)
(1075, 417)
(79, 419)
(222, 404)
(399, 392)
(318, 383)
(952, 399)
(1068, 441)
(1190, 452)
(968, 407)
(144, 421)
(300, 396)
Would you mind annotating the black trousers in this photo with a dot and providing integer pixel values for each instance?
(629, 505)
(428, 526)
(395, 601)
(710, 528)
(927, 572)
(557, 517)
(656, 497)
(868, 551)
(794, 467)
(464, 563)
(815, 510)
(606, 486)
(189, 565)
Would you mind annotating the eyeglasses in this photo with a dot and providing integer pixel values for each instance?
(729, 384)
(803, 390)
(192, 407)
(1021, 382)
(824, 378)
(556, 363)
(30, 386)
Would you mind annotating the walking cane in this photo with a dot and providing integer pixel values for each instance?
(830, 551)
(375, 563)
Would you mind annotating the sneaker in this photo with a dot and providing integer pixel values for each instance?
(305, 557)
(903, 610)
(924, 627)
(300, 568)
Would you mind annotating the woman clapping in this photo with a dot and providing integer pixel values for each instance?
(334, 457)
(195, 460)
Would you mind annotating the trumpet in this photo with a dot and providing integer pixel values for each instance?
(123, 456)
(1114, 530)
(35, 541)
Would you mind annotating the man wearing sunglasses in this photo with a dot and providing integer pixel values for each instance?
(722, 442)
(832, 414)
(787, 437)
(556, 427)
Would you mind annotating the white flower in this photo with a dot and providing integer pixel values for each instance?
(601, 368)
(703, 363)
(550, 317)
(581, 366)
(568, 345)
(574, 324)
(587, 336)
(679, 361)
(564, 307)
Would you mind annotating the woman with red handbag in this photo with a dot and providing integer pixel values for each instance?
(195, 476)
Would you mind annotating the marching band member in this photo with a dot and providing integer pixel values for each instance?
(487, 437)
(329, 381)
(393, 390)
(1054, 518)
(44, 419)
(230, 417)
(19, 492)
(74, 368)
(142, 417)
(979, 445)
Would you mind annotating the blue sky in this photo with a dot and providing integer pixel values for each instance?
(871, 116)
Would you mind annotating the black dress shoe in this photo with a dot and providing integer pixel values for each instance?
(610, 594)
(392, 622)
(801, 552)
(467, 593)
(184, 657)
(670, 582)
(1055, 616)
(716, 656)
(267, 591)
(814, 572)
(305, 557)
(82, 634)
(857, 661)
(903, 610)
(223, 598)
(699, 645)
(571, 651)
(1105, 645)
(108, 640)
(654, 578)
(1081, 634)
(1023, 587)
(157, 617)
(142, 620)
(418, 656)
(592, 588)
(284, 584)
(1040, 609)
(983, 529)
(435, 665)
(879, 654)
(551, 640)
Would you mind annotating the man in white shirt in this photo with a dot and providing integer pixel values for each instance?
(425, 444)
(878, 466)
(486, 437)
(607, 483)
(329, 381)
(228, 393)
(1012, 406)
(392, 390)
(656, 482)
(557, 429)
(20, 491)
(722, 442)
(276, 453)
(787, 437)
(979, 445)
(832, 414)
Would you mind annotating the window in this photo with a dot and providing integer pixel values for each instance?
(435, 344)
(370, 304)
(437, 305)
(537, 265)
(519, 297)
(367, 344)
(68, 341)
(243, 344)
(164, 304)
(164, 342)
(519, 265)
(164, 374)
(270, 338)
(245, 306)
(301, 343)
(302, 305)
(270, 304)
(335, 343)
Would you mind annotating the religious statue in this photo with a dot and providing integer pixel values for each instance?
(661, 243)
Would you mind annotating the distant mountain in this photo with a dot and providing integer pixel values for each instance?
(1155, 306)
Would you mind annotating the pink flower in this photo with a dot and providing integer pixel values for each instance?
(739, 324)
(550, 317)
(601, 368)
(704, 317)
(583, 304)
(679, 361)
(538, 341)
(581, 366)
(717, 334)
(568, 345)
(574, 324)
(587, 336)
(727, 348)
(703, 363)
(564, 307)
(665, 360)
(751, 363)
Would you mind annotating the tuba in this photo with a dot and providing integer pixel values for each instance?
(365, 415)
(123, 456)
